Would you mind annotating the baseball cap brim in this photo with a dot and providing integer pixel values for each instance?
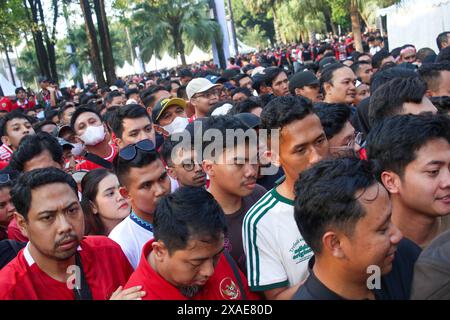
(165, 103)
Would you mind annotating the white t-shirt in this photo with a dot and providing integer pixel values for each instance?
(277, 255)
(131, 234)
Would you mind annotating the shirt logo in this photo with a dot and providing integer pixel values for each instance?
(228, 289)
(300, 251)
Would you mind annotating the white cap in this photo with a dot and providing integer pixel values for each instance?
(257, 70)
(198, 85)
(113, 88)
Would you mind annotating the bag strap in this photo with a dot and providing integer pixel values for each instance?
(84, 292)
(98, 160)
(237, 275)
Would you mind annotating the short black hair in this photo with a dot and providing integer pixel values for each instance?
(111, 95)
(431, 73)
(18, 89)
(64, 108)
(188, 213)
(333, 117)
(441, 103)
(21, 190)
(148, 95)
(166, 150)
(326, 76)
(246, 106)
(222, 124)
(49, 114)
(356, 65)
(426, 55)
(33, 145)
(326, 196)
(393, 142)
(384, 75)
(38, 126)
(239, 77)
(16, 114)
(444, 55)
(129, 111)
(388, 99)
(78, 112)
(270, 74)
(282, 111)
(241, 90)
(122, 167)
(378, 58)
(441, 38)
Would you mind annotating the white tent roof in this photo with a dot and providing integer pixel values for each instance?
(7, 87)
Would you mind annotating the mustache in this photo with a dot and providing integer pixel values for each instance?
(67, 237)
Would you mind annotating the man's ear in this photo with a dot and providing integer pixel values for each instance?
(160, 250)
(331, 242)
(428, 93)
(208, 167)
(298, 91)
(391, 181)
(171, 173)
(5, 140)
(124, 192)
(21, 223)
(118, 142)
(327, 87)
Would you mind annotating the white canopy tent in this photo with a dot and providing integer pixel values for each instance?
(416, 22)
(8, 88)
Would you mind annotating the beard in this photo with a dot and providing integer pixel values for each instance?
(190, 291)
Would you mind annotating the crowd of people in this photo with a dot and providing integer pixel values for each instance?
(306, 172)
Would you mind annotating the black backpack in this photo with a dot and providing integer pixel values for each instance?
(9, 250)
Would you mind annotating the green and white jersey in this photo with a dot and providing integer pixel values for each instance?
(277, 255)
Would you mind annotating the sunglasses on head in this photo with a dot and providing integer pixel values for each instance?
(129, 152)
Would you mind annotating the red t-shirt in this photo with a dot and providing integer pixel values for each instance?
(105, 266)
(14, 232)
(25, 106)
(222, 285)
(89, 165)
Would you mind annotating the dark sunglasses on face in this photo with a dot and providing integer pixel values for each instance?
(129, 152)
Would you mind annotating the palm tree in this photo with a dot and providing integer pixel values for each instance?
(173, 26)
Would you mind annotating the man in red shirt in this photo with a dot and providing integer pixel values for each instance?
(13, 127)
(58, 262)
(186, 259)
(22, 101)
(89, 128)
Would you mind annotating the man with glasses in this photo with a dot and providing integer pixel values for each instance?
(143, 180)
(182, 165)
(342, 138)
(202, 94)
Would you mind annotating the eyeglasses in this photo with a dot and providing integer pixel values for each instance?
(5, 178)
(358, 139)
(129, 152)
(209, 94)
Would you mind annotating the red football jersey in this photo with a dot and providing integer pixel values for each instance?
(222, 285)
(89, 165)
(105, 266)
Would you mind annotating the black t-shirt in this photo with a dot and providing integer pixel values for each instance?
(233, 238)
(394, 286)
(269, 181)
(9, 250)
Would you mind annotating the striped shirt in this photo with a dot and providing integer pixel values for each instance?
(277, 255)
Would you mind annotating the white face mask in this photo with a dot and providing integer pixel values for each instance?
(177, 125)
(77, 149)
(93, 135)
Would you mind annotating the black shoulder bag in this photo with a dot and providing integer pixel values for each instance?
(237, 275)
(84, 292)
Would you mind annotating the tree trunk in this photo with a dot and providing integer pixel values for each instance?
(9, 64)
(94, 52)
(41, 53)
(276, 26)
(331, 27)
(105, 41)
(178, 42)
(78, 77)
(356, 25)
(130, 46)
(49, 42)
(233, 29)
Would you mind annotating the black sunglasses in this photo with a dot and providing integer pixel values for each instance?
(4, 178)
(129, 152)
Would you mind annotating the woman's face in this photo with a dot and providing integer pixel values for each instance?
(109, 204)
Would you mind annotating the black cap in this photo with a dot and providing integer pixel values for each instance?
(301, 79)
(324, 62)
(251, 120)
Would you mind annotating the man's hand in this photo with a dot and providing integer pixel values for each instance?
(133, 293)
